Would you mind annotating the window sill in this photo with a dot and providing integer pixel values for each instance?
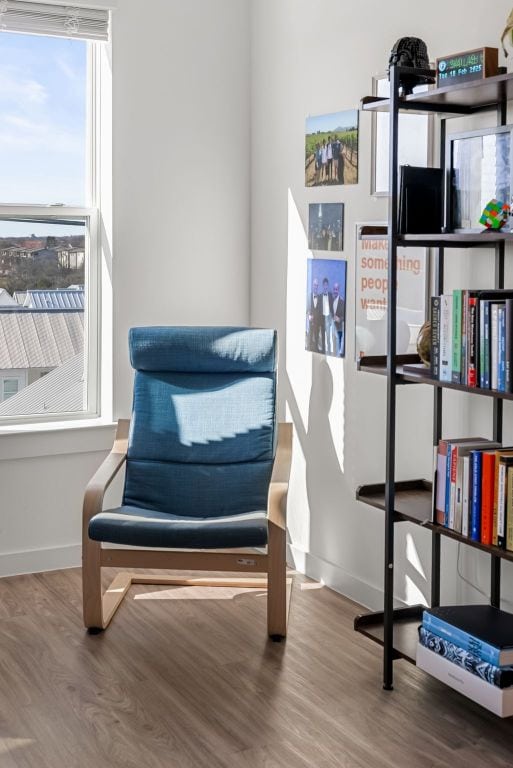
(24, 441)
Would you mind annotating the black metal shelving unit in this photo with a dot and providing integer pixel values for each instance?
(396, 629)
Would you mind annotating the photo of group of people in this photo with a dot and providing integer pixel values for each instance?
(326, 307)
(331, 149)
(326, 226)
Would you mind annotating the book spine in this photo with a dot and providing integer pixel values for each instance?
(501, 323)
(509, 345)
(448, 466)
(465, 514)
(475, 497)
(495, 500)
(471, 342)
(486, 339)
(494, 346)
(441, 480)
(481, 345)
(446, 337)
(509, 510)
(458, 506)
(435, 337)
(452, 499)
(487, 495)
(456, 335)
(463, 639)
(501, 506)
(492, 674)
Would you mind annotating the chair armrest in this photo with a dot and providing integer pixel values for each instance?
(279, 486)
(102, 478)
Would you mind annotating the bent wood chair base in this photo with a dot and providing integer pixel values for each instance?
(99, 608)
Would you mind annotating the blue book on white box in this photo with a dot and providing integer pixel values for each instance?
(484, 631)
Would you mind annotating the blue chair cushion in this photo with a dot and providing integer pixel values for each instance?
(202, 418)
(203, 349)
(197, 490)
(147, 528)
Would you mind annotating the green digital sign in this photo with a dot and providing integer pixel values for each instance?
(461, 67)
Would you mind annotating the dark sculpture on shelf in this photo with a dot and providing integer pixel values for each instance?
(410, 52)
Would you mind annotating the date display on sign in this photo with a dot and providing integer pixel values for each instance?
(466, 66)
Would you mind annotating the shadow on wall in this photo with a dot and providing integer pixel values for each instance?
(324, 473)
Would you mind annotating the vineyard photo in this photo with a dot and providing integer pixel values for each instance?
(331, 149)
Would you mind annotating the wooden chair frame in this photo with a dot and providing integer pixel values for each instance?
(100, 608)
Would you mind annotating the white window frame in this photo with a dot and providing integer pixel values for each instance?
(91, 213)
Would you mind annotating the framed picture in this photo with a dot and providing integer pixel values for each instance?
(326, 226)
(371, 294)
(415, 139)
(480, 164)
(325, 330)
(331, 149)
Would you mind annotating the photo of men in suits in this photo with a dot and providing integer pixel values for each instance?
(326, 310)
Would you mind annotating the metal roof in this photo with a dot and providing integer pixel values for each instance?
(36, 339)
(60, 391)
(64, 298)
(6, 300)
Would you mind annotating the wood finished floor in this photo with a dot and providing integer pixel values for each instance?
(184, 678)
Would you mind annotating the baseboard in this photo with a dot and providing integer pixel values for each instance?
(334, 577)
(38, 560)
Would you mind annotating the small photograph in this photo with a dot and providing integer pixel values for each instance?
(326, 226)
(331, 149)
(326, 307)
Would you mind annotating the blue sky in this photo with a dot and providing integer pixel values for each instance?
(347, 119)
(42, 120)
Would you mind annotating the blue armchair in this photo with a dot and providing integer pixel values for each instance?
(206, 470)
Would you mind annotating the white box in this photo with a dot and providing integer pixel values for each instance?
(497, 700)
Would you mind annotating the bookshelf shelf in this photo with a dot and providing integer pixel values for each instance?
(464, 99)
(378, 366)
(413, 504)
(405, 634)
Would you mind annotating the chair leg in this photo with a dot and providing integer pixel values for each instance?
(276, 583)
(92, 585)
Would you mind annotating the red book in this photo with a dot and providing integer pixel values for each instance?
(487, 497)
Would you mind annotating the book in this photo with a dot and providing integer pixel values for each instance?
(509, 509)
(503, 453)
(441, 481)
(435, 336)
(471, 336)
(501, 341)
(457, 343)
(475, 498)
(494, 345)
(505, 461)
(446, 337)
(509, 344)
(485, 631)
(486, 344)
(502, 677)
(465, 513)
(448, 490)
(487, 496)
(496, 700)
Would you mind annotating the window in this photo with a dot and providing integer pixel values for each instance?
(49, 250)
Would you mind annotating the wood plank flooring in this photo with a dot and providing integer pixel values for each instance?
(185, 678)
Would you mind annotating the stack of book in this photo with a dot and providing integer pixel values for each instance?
(472, 338)
(470, 648)
(473, 490)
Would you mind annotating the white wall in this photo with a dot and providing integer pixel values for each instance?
(180, 250)
(312, 57)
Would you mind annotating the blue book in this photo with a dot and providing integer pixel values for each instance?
(502, 677)
(475, 496)
(482, 630)
(501, 321)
